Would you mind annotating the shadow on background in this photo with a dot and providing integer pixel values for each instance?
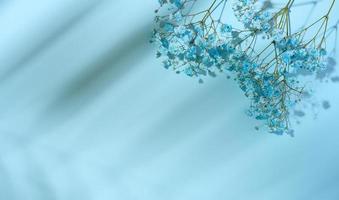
(48, 42)
(100, 75)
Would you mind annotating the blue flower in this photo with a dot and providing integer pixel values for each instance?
(167, 27)
(286, 57)
(189, 71)
(197, 48)
(226, 28)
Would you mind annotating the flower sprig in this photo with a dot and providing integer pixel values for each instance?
(198, 43)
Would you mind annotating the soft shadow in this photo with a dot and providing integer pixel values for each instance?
(45, 44)
(98, 76)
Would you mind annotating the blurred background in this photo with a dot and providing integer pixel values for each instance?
(88, 113)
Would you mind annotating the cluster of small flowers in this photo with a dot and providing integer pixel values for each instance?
(188, 51)
(173, 3)
(190, 48)
(253, 16)
(272, 93)
(299, 57)
(199, 49)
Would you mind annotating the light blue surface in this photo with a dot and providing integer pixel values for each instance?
(87, 112)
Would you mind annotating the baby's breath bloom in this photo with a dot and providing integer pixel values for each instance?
(207, 47)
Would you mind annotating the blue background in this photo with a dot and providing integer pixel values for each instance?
(87, 112)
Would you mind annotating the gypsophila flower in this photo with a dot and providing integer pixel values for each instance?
(197, 45)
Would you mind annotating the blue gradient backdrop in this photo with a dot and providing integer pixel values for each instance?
(88, 113)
